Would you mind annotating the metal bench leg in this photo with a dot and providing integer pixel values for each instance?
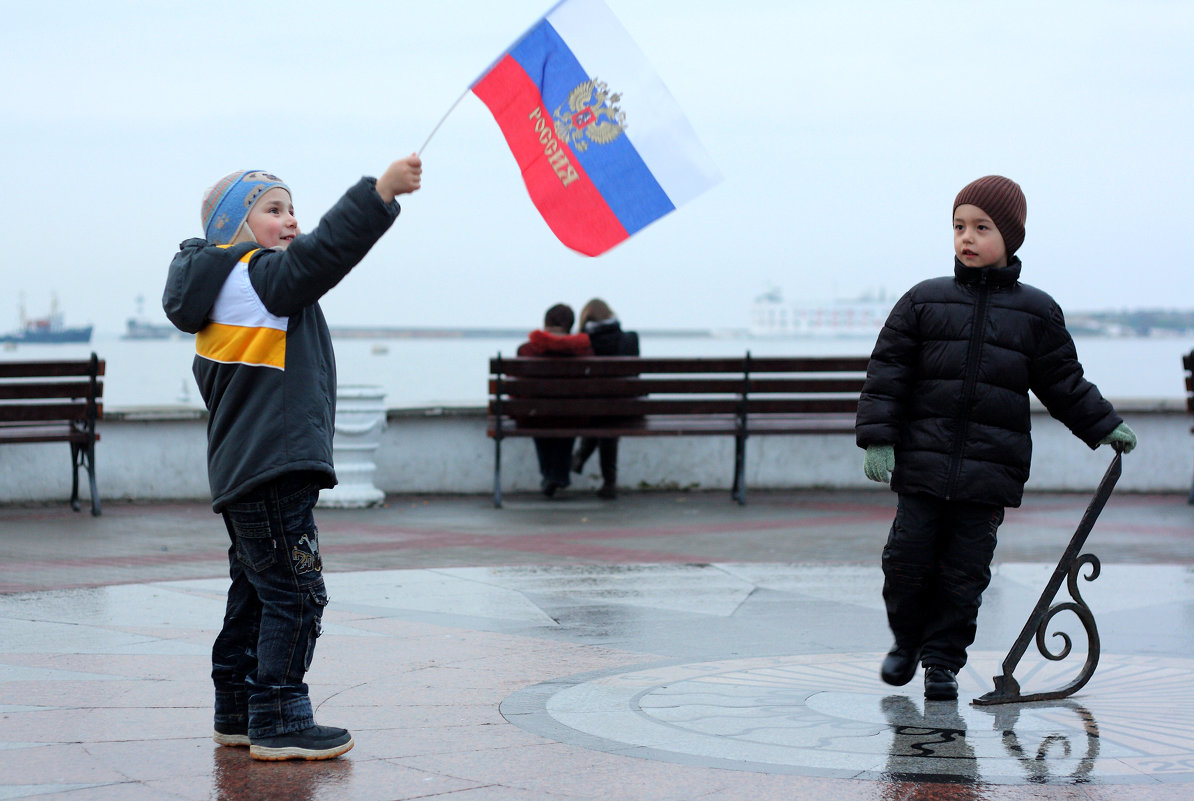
(497, 473)
(75, 451)
(89, 460)
(738, 492)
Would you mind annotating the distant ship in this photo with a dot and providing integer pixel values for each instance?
(46, 330)
(140, 328)
(770, 316)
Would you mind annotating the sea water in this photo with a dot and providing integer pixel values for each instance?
(453, 371)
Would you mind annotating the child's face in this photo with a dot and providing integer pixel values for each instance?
(977, 242)
(272, 219)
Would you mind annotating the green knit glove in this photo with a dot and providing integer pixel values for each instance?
(1122, 438)
(879, 462)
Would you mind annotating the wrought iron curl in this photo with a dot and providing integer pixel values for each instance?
(1078, 606)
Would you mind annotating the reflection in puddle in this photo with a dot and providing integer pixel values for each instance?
(932, 744)
(1044, 761)
(236, 776)
(929, 745)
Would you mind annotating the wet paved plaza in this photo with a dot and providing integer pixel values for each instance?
(665, 646)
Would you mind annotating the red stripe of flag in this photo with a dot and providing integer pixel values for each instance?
(571, 205)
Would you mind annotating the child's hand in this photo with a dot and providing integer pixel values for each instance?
(1122, 438)
(879, 462)
(400, 178)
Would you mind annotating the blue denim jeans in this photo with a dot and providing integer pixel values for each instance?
(274, 612)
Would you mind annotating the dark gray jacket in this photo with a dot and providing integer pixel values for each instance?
(948, 382)
(264, 361)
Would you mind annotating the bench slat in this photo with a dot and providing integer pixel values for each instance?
(630, 386)
(43, 433)
(623, 407)
(597, 366)
(47, 411)
(688, 425)
(20, 390)
(48, 369)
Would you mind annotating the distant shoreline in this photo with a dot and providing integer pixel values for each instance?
(417, 332)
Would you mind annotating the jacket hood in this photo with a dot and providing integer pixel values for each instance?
(196, 276)
(595, 326)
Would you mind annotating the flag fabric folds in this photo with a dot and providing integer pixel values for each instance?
(603, 148)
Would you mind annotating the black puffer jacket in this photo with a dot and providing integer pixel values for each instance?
(948, 384)
(609, 339)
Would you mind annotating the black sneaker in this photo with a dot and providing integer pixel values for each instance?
(940, 684)
(232, 736)
(314, 742)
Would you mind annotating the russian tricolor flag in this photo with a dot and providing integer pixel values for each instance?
(602, 146)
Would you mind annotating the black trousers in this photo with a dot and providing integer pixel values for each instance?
(607, 448)
(555, 459)
(936, 564)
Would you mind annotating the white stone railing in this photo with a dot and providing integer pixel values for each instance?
(159, 454)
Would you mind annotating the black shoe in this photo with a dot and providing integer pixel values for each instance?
(313, 742)
(899, 666)
(549, 487)
(231, 735)
(940, 684)
(608, 492)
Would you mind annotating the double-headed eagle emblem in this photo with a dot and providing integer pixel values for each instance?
(592, 115)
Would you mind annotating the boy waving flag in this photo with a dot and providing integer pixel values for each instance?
(602, 146)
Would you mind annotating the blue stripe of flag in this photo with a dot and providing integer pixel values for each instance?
(616, 168)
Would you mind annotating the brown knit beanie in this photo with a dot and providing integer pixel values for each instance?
(1003, 201)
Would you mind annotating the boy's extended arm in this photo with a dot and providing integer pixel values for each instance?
(290, 280)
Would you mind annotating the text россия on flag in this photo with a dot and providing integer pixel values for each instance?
(602, 146)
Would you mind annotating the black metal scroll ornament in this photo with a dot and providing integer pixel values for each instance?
(1007, 689)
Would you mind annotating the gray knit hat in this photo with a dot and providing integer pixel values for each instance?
(227, 204)
(1003, 201)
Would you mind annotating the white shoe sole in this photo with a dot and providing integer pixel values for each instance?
(234, 740)
(294, 752)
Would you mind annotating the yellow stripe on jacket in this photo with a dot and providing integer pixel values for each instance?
(240, 330)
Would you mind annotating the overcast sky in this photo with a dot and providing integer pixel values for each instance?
(843, 130)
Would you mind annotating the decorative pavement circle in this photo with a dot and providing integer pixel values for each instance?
(829, 715)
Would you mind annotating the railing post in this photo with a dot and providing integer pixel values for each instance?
(497, 436)
(1007, 689)
(738, 492)
(87, 453)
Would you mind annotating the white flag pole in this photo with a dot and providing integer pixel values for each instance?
(441, 120)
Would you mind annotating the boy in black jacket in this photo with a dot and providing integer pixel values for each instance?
(265, 367)
(944, 416)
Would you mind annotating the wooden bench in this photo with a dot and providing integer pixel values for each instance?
(631, 396)
(1188, 363)
(55, 401)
